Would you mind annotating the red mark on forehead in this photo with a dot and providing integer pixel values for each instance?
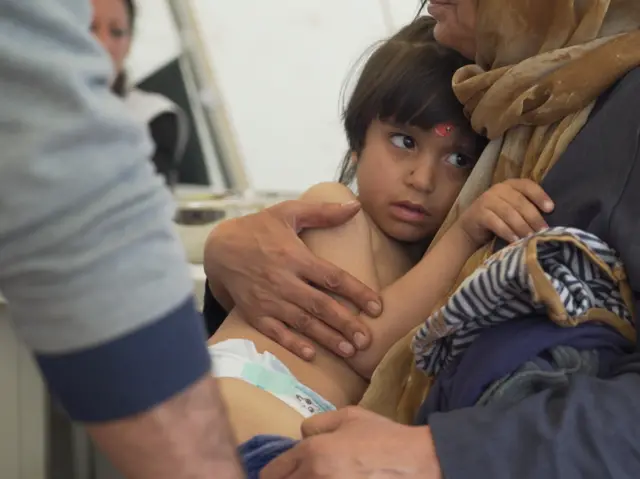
(443, 129)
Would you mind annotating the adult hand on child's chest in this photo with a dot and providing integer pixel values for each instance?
(281, 288)
(354, 443)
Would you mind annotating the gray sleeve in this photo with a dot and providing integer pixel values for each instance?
(94, 274)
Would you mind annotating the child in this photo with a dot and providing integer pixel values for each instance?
(410, 152)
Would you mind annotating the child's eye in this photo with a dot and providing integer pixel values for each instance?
(403, 141)
(459, 160)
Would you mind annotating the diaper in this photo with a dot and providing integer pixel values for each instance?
(238, 358)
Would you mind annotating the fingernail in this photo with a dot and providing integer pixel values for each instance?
(360, 340)
(373, 307)
(346, 348)
(349, 204)
(307, 352)
(515, 238)
(548, 205)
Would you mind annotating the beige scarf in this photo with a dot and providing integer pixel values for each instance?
(540, 67)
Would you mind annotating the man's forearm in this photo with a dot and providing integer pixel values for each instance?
(90, 263)
(185, 437)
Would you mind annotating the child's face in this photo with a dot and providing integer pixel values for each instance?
(409, 178)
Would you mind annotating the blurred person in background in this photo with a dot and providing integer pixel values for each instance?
(113, 26)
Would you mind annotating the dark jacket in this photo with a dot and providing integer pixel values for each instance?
(168, 126)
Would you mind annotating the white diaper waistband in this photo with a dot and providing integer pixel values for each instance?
(238, 358)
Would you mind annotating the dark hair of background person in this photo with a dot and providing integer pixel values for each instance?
(119, 86)
(407, 79)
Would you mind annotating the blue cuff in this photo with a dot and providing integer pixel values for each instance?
(133, 373)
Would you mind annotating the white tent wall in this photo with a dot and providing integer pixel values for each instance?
(156, 40)
(280, 66)
(164, 34)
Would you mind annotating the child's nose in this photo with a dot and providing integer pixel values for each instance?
(422, 177)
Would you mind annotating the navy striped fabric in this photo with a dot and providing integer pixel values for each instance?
(502, 290)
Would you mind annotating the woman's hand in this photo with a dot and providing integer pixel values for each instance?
(277, 283)
(510, 210)
(353, 443)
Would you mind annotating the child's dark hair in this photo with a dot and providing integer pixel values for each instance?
(407, 79)
(120, 84)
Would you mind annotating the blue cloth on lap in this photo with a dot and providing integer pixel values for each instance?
(259, 451)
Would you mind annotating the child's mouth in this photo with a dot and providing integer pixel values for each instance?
(409, 212)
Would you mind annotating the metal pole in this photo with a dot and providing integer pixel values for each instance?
(223, 158)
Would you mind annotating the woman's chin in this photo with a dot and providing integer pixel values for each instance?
(443, 35)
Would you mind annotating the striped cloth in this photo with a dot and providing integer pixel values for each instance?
(569, 274)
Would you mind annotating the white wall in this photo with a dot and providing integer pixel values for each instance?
(280, 66)
(156, 41)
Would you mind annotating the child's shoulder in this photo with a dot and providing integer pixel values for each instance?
(334, 192)
(389, 256)
(329, 191)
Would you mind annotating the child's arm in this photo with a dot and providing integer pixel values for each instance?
(508, 210)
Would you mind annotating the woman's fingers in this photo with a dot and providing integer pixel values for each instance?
(308, 311)
(294, 329)
(329, 277)
(322, 318)
(269, 269)
(285, 337)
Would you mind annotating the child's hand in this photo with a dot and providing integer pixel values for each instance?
(510, 210)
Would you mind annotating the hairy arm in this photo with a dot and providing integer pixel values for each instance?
(186, 436)
(407, 301)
